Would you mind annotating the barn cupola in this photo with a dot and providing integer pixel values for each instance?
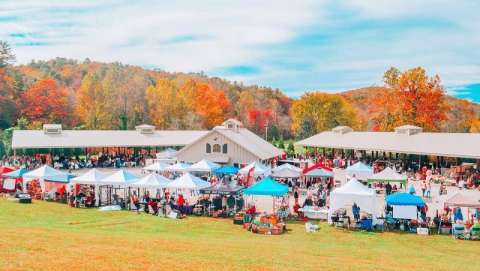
(232, 124)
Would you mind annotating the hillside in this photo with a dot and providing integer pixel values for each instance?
(117, 96)
(121, 91)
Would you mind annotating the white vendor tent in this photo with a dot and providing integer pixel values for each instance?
(178, 167)
(204, 165)
(45, 173)
(121, 178)
(259, 169)
(286, 171)
(169, 153)
(92, 177)
(157, 166)
(152, 180)
(353, 192)
(359, 170)
(189, 182)
(388, 175)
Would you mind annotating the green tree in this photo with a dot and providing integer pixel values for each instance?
(281, 144)
(291, 148)
(306, 129)
(6, 55)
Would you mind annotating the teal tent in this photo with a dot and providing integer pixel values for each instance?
(267, 187)
(227, 170)
(404, 199)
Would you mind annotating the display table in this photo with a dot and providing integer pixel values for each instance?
(314, 212)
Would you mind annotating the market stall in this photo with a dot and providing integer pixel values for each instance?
(353, 192)
(51, 181)
(178, 167)
(388, 175)
(404, 205)
(360, 171)
(118, 181)
(91, 178)
(287, 171)
(156, 167)
(259, 169)
(266, 224)
(204, 166)
(227, 170)
(8, 180)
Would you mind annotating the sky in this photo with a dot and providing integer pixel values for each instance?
(295, 46)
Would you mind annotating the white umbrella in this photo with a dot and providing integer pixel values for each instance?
(178, 167)
(93, 176)
(121, 178)
(152, 180)
(157, 166)
(203, 165)
(188, 181)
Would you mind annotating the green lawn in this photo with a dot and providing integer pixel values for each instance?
(51, 236)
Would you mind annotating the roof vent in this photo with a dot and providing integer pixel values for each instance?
(342, 130)
(145, 129)
(52, 128)
(408, 130)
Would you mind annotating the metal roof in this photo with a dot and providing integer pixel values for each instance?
(25, 139)
(462, 145)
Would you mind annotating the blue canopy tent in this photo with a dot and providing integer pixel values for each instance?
(404, 199)
(404, 205)
(230, 170)
(267, 187)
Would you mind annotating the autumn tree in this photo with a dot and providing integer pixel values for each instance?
(475, 126)
(46, 102)
(165, 109)
(91, 101)
(211, 105)
(323, 111)
(412, 98)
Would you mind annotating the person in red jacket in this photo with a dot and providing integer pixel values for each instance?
(181, 203)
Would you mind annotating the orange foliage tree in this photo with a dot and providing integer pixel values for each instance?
(475, 126)
(46, 102)
(211, 105)
(412, 98)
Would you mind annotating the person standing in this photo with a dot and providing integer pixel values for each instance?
(295, 194)
(424, 187)
(388, 188)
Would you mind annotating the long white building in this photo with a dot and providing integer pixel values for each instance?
(406, 139)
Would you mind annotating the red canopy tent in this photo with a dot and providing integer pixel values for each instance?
(317, 165)
(4, 170)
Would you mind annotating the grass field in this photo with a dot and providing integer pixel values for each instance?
(51, 236)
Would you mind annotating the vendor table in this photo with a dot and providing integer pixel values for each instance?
(314, 213)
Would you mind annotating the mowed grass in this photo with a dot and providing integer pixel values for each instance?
(52, 236)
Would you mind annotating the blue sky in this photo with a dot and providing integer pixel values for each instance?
(296, 46)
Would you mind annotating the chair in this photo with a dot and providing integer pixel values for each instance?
(458, 231)
(309, 227)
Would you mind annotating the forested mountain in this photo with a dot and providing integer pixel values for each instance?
(93, 95)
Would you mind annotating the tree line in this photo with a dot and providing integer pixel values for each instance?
(93, 95)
